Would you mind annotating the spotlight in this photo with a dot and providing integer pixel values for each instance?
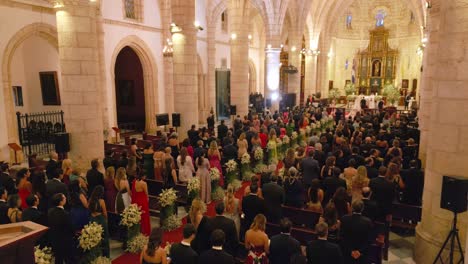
(233, 36)
(274, 96)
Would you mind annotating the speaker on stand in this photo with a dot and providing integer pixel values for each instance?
(176, 120)
(62, 144)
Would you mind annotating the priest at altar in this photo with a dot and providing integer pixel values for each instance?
(369, 101)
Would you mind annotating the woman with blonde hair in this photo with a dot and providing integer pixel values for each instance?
(271, 145)
(359, 181)
(110, 191)
(290, 159)
(67, 170)
(123, 199)
(233, 207)
(393, 175)
(185, 164)
(257, 242)
(215, 160)
(242, 145)
(196, 212)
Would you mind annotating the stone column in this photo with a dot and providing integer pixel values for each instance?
(238, 27)
(310, 86)
(167, 60)
(185, 64)
(211, 72)
(81, 97)
(294, 58)
(445, 98)
(272, 76)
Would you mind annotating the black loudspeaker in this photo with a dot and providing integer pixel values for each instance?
(176, 119)
(289, 100)
(268, 102)
(233, 110)
(62, 142)
(454, 191)
(162, 120)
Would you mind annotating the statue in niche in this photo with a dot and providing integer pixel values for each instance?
(376, 65)
(380, 18)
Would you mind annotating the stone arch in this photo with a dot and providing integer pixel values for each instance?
(150, 73)
(252, 77)
(43, 30)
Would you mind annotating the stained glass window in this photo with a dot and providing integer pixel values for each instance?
(380, 18)
(130, 9)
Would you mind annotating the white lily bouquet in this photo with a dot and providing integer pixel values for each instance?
(232, 171)
(171, 223)
(137, 244)
(214, 174)
(131, 216)
(258, 155)
(246, 169)
(167, 200)
(89, 242)
(294, 139)
(193, 189)
(102, 260)
(43, 256)
(217, 193)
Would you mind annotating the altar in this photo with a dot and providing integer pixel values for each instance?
(371, 102)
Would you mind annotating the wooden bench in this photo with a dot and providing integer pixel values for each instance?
(406, 216)
(154, 186)
(303, 235)
(182, 194)
(301, 217)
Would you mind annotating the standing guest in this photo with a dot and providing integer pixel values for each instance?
(310, 169)
(32, 213)
(110, 189)
(39, 189)
(134, 151)
(358, 182)
(215, 160)
(201, 242)
(222, 130)
(14, 208)
(315, 194)
(67, 170)
(330, 217)
(169, 174)
(341, 201)
(229, 151)
(263, 137)
(284, 247)
(55, 185)
(24, 185)
(227, 225)
(186, 144)
(123, 161)
(122, 199)
(198, 151)
(52, 165)
(6, 180)
(97, 207)
(356, 230)
(153, 252)
(173, 143)
(158, 158)
(350, 171)
(393, 176)
(252, 205)
(108, 160)
(372, 172)
(94, 177)
(370, 206)
(78, 207)
(140, 197)
(290, 159)
(210, 120)
(60, 230)
(3, 206)
(242, 145)
(293, 189)
(203, 175)
(232, 205)
(321, 251)
(182, 253)
(148, 161)
(253, 181)
(414, 181)
(185, 165)
(193, 135)
(216, 254)
(331, 183)
(383, 193)
(327, 169)
(76, 176)
(274, 199)
(257, 242)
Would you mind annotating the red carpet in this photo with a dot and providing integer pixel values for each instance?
(175, 236)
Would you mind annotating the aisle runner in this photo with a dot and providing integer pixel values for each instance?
(174, 236)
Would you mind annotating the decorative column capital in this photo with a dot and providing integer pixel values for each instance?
(61, 4)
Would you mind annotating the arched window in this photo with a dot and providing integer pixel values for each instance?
(380, 18)
(133, 10)
(224, 22)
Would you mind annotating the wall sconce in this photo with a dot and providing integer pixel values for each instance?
(269, 46)
(293, 48)
(168, 50)
(174, 28)
(58, 4)
(233, 36)
(198, 26)
(250, 37)
(428, 4)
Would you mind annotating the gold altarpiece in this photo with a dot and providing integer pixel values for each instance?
(376, 64)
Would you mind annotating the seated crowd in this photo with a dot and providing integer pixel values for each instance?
(348, 175)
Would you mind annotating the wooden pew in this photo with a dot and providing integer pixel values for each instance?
(301, 217)
(303, 235)
(406, 216)
(182, 194)
(154, 186)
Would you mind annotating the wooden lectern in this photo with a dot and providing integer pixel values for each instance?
(117, 134)
(15, 147)
(17, 241)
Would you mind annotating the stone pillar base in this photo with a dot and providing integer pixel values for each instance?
(426, 248)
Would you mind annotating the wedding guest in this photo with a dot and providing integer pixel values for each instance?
(227, 226)
(39, 189)
(169, 174)
(78, 206)
(293, 189)
(201, 241)
(321, 251)
(315, 194)
(52, 165)
(3, 206)
(359, 181)
(383, 192)
(158, 158)
(330, 217)
(94, 177)
(252, 205)
(14, 212)
(232, 207)
(153, 251)
(123, 161)
(331, 183)
(108, 160)
(341, 201)
(140, 197)
(283, 247)
(110, 189)
(257, 242)
(182, 253)
(97, 207)
(24, 185)
(185, 165)
(148, 161)
(32, 213)
(216, 254)
(55, 185)
(274, 198)
(60, 230)
(67, 170)
(122, 199)
(203, 175)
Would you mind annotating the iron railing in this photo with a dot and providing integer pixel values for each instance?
(36, 131)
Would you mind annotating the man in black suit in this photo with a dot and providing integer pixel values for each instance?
(222, 130)
(227, 226)
(4, 219)
(331, 183)
(372, 172)
(321, 251)
(32, 213)
(366, 147)
(216, 255)
(414, 184)
(356, 231)
(193, 135)
(229, 151)
(370, 206)
(52, 165)
(274, 199)
(251, 206)
(374, 154)
(6, 180)
(108, 160)
(284, 247)
(60, 230)
(94, 177)
(56, 185)
(357, 158)
(210, 120)
(182, 253)
(383, 193)
(310, 169)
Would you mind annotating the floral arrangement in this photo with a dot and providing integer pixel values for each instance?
(217, 194)
(294, 139)
(236, 184)
(171, 222)
(259, 168)
(193, 189)
(351, 98)
(334, 93)
(231, 166)
(349, 89)
(214, 174)
(294, 135)
(167, 197)
(232, 171)
(137, 244)
(246, 169)
(286, 140)
(43, 256)
(391, 92)
(245, 159)
(101, 260)
(308, 130)
(91, 236)
(131, 216)
(258, 155)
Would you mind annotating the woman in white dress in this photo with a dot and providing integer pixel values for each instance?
(232, 207)
(185, 164)
(123, 199)
(203, 174)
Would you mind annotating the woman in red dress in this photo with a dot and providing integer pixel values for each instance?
(24, 186)
(140, 197)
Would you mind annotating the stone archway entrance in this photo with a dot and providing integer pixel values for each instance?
(129, 91)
